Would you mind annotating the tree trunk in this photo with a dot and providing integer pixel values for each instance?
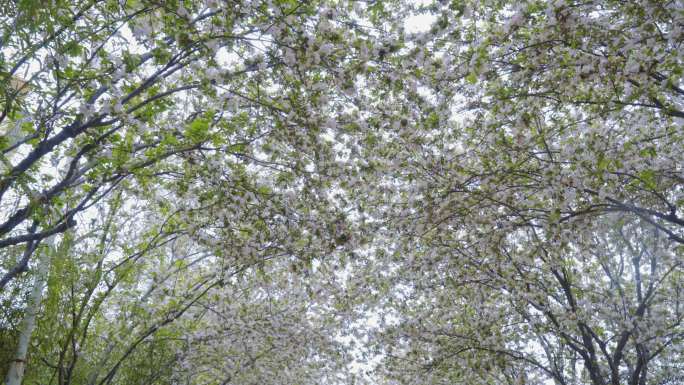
(15, 375)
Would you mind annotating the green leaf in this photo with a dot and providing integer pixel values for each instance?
(198, 130)
(471, 78)
(649, 179)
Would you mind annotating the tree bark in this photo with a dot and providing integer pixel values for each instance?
(15, 375)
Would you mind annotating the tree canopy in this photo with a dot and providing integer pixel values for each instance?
(341, 192)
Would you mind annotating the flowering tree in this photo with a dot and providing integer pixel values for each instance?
(537, 180)
(217, 122)
(496, 199)
(110, 91)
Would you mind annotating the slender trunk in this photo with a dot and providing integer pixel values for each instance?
(15, 375)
